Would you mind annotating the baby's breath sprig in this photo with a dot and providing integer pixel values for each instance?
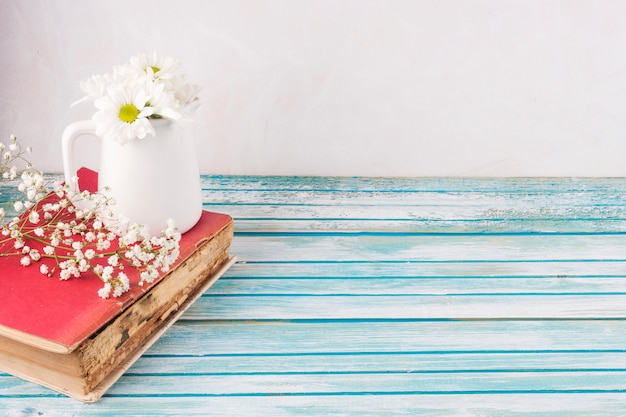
(69, 241)
(15, 166)
(12, 155)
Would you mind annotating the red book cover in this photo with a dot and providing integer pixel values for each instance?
(68, 312)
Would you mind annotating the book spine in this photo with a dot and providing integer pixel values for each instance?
(124, 335)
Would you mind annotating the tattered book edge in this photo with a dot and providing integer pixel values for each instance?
(112, 378)
(61, 348)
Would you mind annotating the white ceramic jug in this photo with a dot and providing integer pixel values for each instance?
(152, 179)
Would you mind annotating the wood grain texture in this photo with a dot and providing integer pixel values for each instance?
(393, 296)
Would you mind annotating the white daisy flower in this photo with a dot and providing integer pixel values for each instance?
(163, 101)
(94, 87)
(187, 94)
(164, 69)
(123, 113)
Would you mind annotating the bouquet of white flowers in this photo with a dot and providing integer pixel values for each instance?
(147, 87)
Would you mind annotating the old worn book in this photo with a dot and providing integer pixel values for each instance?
(62, 335)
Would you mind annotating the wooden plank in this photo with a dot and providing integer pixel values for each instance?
(429, 307)
(512, 361)
(373, 383)
(423, 248)
(359, 383)
(538, 285)
(553, 269)
(505, 405)
(446, 184)
(498, 201)
(464, 210)
(415, 278)
(414, 226)
(287, 337)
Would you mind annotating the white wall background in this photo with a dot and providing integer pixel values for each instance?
(343, 87)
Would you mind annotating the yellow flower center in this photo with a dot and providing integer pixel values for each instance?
(128, 113)
(155, 69)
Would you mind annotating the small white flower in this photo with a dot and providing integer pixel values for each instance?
(33, 217)
(25, 260)
(149, 275)
(31, 194)
(122, 285)
(105, 291)
(114, 260)
(107, 273)
(118, 291)
(103, 244)
(44, 269)
(83, 265)
(123, 278)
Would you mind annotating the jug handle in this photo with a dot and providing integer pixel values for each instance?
(70, 134)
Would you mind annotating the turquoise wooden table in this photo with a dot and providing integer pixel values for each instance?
(379, 297)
